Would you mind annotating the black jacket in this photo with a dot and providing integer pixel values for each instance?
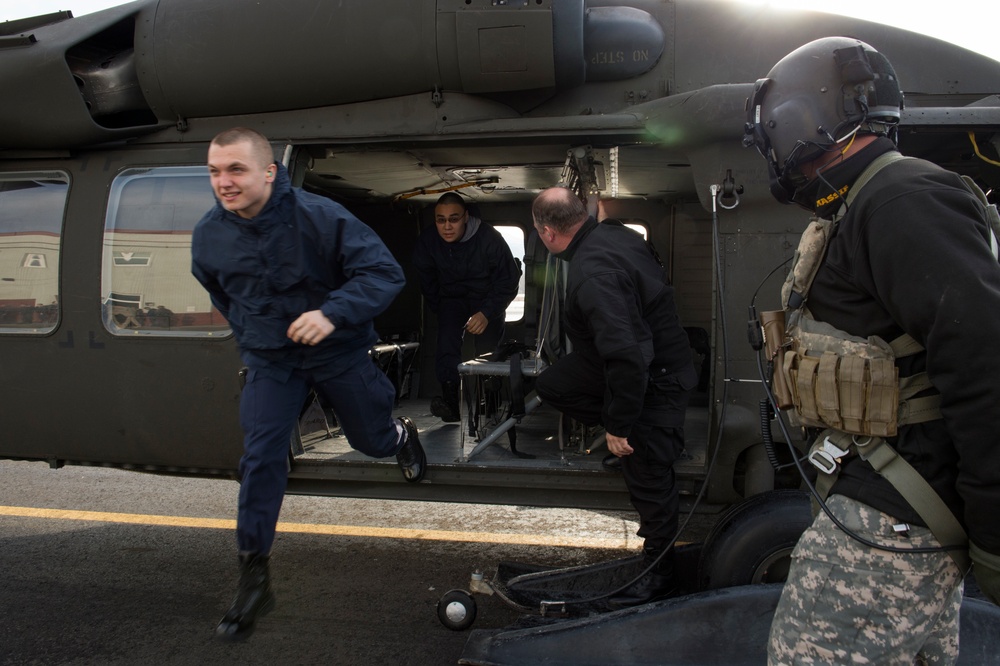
(620, 309)
(479, 268)
(912, 255)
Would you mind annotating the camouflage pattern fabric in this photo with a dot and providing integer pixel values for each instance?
(846, 603)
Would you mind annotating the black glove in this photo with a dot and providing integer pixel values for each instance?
(986, 567)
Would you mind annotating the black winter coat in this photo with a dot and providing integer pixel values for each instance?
(479, 268)
(912, 255)
(620, 309)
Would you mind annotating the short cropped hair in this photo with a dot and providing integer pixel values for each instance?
(451, 198)
(559, 208)
(259, 144)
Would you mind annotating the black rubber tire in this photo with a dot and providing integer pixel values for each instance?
(457, 610)
(753, 541)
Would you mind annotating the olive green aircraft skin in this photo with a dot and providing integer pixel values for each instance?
(379, 108)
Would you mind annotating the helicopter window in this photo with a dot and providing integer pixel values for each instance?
(515, 239)
(146, 282)
(639, 228)
(31, 220)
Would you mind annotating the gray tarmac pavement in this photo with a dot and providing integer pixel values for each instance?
(104, 592)
(127, 594)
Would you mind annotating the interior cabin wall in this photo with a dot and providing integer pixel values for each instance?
(398, 228)
(692, 273)
(691, 264)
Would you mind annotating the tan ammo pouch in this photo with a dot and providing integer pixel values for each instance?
(852, 384)
(841, 381)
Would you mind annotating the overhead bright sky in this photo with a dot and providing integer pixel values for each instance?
(969, 23)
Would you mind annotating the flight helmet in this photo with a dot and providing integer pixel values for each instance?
(814, 100)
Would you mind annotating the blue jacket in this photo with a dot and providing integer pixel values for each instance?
(302, 252)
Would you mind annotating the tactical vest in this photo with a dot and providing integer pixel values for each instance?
(850, 386)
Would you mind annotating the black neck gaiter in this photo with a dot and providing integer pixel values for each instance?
(825, 193)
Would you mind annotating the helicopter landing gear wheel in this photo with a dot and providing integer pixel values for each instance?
(457, 610)
(753, 541)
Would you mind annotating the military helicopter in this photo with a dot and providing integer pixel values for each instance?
(113, 355)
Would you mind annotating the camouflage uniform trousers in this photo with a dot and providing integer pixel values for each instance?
(846, 603)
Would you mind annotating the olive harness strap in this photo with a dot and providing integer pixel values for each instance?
(832, 445)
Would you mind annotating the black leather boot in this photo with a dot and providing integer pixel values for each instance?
(411, 457)
(253, 598)
(658, 584)
(445, 406)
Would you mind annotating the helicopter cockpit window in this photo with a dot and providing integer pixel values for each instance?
(31, 219)
(146, 282)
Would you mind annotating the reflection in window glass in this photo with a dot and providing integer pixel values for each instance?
(31, 217)
(146, 285)
(515, 239)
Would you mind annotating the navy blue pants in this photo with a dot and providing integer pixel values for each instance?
(452, 315)
(362, 397)
(575, 386)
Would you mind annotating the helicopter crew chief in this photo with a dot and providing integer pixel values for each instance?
(630, 369)
(908, 255)
(299, 280)
(469, 277)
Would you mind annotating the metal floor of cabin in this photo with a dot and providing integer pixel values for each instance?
(449, 443)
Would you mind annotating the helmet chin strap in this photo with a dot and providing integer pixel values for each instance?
(823, 194)
(782, 187)
(785, 191)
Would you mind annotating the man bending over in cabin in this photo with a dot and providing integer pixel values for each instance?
(469, 277)
(299, 280)
(630, 369)
(898, 255)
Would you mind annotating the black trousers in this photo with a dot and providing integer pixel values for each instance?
(575, 385)
(452, 315)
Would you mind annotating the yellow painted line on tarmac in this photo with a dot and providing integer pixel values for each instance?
(330, 530)
(102, 517)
